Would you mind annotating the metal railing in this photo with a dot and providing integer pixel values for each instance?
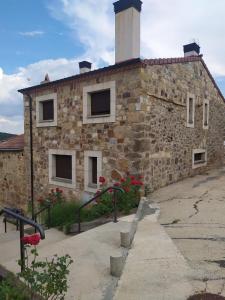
(22, 221)
(8, 218)
(115, 189)
(45, 208)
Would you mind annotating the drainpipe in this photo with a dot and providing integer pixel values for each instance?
(31, 158)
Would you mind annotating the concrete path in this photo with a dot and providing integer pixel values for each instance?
(155, 269)
(193, 214)
(90, 273)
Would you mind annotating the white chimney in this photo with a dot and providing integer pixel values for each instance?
(192, 49)
(127, 29)
(84, 66)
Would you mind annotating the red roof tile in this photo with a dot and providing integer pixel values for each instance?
(13, 144)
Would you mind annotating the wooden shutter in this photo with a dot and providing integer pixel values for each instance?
(100, 103)
(48, 110)
(63, 165)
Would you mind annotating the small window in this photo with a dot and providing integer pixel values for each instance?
(93, 174)
(100, 103)
(47, 110)
(92, 170)
(206, 114)
(62, 168)
(199, 158)
(190, 111)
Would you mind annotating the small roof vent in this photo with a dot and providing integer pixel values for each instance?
(46, 80)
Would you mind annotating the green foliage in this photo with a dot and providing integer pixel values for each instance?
(63, 213)
(11, 291)
(47, 278)
(5, 136)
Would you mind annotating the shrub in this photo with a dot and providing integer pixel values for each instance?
(11, 291)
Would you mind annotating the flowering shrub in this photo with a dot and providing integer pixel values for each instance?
(46, 278)
(54, 197)
(125, 201)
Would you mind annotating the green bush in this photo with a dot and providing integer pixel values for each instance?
(63, 213)
(11, 291)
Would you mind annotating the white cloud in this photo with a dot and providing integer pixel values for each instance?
(166, 27)
(32, 33)
(11, 125)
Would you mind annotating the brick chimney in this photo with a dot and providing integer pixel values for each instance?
(85, 66)
(127, 29)
(192, 49)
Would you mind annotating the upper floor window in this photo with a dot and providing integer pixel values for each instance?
(190, 111)
(99, 103)
(46, 110)
(206, 114)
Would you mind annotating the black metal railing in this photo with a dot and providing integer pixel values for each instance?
(115, 190)
(22, 221)
(43, 209)
(10, 219)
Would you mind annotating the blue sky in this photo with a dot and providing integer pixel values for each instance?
(52, 36)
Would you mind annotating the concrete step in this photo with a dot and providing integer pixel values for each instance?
(154, 268)
(90, 273)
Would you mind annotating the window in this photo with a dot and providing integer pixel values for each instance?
(199, 158)
(190, 111)
(92, 170)
(99, 103)
(46, 110)
(205, 114)
(62, 168)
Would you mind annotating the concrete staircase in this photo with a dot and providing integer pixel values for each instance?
(154, 268)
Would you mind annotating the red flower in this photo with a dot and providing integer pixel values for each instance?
(40, 200)
(132, 177)
(110, 190)
(31, 239)
(122, 180)
(116, 184)
(102, 179)
(141, 177)
(57, 190)
(126, 189)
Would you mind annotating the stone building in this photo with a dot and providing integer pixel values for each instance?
(12, 173)
(161, 118)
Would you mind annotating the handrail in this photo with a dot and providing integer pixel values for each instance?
(96, 197)
(23, 220)
(40, 211)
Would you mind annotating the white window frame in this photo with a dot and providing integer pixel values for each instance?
(52, 165)
(39, 112)
(196, 151)
(190, 125)
(87, 90)
(206, 102)
(87, 155)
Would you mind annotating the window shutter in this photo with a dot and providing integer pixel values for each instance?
(100, 103)
(48, 110)
(63, 166)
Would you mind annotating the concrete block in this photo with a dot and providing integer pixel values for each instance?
(116, 265)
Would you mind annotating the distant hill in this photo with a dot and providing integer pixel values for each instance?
(5, 136)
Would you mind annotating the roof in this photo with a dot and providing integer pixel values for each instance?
(129, 64)
(13, 144)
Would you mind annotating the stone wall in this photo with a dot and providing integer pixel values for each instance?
(149, 136)
(171, 142)
(12, 179)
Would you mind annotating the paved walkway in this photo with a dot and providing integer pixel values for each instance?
(193, 214)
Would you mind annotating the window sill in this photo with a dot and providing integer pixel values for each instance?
(67, 183)
(99, 116)
(47, 124)
(199, 165)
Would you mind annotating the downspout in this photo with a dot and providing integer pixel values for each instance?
(31, 157)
